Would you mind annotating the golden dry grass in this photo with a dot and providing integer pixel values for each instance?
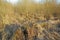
(28, 23)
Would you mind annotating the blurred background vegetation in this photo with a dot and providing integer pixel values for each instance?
(41, 20)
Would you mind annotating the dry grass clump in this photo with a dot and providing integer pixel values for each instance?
(29, 28)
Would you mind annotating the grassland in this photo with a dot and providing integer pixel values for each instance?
(29, 22)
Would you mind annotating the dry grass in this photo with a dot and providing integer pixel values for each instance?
(28, 24)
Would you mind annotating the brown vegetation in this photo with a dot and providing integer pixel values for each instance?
(30, 22)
